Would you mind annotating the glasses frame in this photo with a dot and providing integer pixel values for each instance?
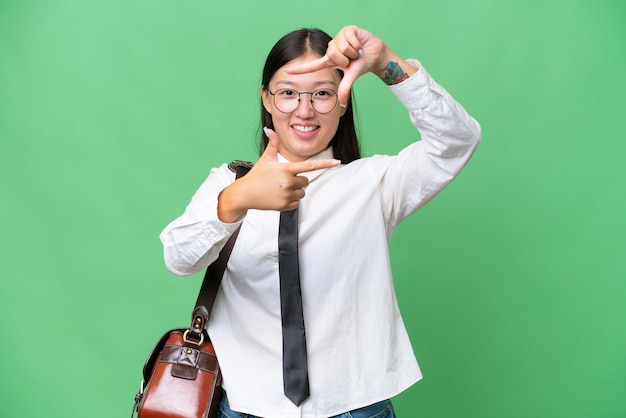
(300, 93)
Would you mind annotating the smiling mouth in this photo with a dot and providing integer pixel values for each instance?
(305, 129)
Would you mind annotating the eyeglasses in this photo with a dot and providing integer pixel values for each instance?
(288, 100)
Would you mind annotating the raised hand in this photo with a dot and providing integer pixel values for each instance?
(270, 184)
(355, 51)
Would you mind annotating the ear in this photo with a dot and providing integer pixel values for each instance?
(265, 96)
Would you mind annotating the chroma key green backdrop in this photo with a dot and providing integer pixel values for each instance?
(512, 282)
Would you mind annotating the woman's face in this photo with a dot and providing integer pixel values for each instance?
(304, 132)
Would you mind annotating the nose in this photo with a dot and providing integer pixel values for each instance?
(305, 106)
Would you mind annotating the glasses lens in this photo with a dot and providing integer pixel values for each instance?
(286, 100)
(324, 100)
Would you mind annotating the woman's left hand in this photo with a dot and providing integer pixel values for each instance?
(355, 51)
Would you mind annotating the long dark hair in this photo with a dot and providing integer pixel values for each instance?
(345, 143)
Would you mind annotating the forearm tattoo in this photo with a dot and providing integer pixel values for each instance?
(394, 74)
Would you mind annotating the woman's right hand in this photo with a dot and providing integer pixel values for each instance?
(269, 185)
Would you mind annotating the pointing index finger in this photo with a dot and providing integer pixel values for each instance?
(311, 66)
(311, 165)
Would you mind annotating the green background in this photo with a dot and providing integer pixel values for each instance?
(511, 282)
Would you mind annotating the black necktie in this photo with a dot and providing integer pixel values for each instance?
(295, 373)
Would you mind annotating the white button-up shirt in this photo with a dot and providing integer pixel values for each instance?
(358, 348)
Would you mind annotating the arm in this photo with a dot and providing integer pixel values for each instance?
(449, 137)
(449, 134)
(193, 240)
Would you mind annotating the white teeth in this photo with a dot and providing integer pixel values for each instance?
(304, 128)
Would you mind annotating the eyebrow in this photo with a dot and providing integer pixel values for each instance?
(315, 84)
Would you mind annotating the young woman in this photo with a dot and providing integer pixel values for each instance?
(358, 354)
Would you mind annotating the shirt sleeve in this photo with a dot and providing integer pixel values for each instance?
(193, 240)
(449, 137)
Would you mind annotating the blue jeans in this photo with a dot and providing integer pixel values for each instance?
(382, 409)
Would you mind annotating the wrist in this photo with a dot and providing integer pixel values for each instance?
(393, 69)
(230, 208)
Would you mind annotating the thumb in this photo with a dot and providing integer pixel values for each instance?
(271, 150)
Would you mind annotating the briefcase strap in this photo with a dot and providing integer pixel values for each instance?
(213, 276)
